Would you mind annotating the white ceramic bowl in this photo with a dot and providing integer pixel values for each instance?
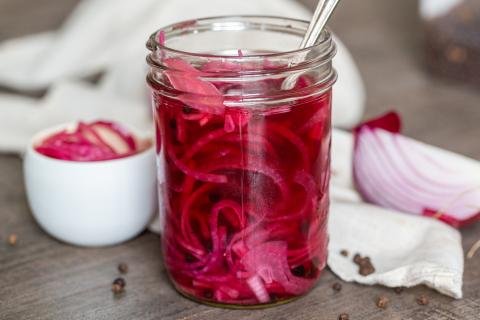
(97, 203)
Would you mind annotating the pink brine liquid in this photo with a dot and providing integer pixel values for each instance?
(245, 194)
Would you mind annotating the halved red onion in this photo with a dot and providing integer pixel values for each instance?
(397, 172)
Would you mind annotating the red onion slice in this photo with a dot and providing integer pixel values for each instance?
(95, 141)
(256, 285)
(269, 262)
(196, 93)
(397, 172)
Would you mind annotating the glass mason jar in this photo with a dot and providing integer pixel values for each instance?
(245, 160)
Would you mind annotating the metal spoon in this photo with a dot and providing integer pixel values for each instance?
(322, 13)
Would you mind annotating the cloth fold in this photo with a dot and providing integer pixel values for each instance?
(405, 250)
(22, 117)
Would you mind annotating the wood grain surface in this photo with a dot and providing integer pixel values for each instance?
(41, 278)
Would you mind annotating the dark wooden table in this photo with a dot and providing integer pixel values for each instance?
(41, 278)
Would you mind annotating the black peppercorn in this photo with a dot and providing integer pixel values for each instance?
(12, 239)
(189, 258)
(343, 316)
(299, 271)
(208, 294)
(337, 287)
(187, 110)
(382, 302)
(214, 197)
(366, 270)
(422, 300)
(123, 268)
(118, 286)
(357, 258)
(365, 266)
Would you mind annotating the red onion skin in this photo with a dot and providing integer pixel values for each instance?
(389, 121)
(275, 169)
(451, 220)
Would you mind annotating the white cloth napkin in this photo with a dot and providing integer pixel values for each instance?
(22, 117)
(406, 250)
(109, 36)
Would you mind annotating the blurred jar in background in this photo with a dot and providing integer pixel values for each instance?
(452, 38)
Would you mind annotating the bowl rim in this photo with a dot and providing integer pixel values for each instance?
(67, 125)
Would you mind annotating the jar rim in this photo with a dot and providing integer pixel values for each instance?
(316, 58)
(153, 43)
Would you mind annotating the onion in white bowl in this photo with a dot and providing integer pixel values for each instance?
(91, 203)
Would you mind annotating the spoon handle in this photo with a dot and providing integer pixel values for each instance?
(322, 13)
(313, 22)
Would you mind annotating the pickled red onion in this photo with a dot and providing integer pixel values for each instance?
(95, 141)
(269, 262)
(196, 93)
(238, 180)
